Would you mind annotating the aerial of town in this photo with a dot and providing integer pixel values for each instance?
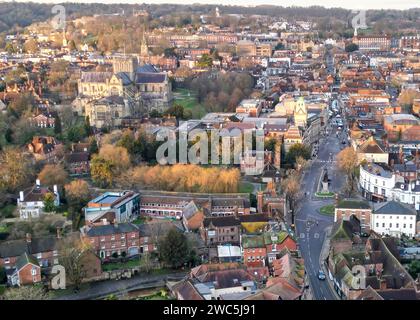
(209, 152)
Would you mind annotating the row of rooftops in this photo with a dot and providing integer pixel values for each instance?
(389, 207)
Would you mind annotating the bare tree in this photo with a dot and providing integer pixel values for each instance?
(26, 293)
(291, 187)
(348, 164)
(72, 252)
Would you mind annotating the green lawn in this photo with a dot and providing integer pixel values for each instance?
(325, 194)
(121, 265)
(139, 220)
(246, 187)
(327, 210)
(187, 99)
(2, 289)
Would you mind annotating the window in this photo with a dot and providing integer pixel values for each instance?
(34, 271)
(113, 237)
(404, 226)
(39, 256)
(411, 225)
(6, 260)
(398, 225)
(390, 225)
(377, 225)
(55, 253)
(383, 225)
(102, 239)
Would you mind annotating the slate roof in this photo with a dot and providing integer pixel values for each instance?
(405, 168)
(24, 259)
(353, 204)
(15, 248)
(124, 77)
(249, 218)
(150, 229)
(394, 207)
(230, 202)
(218, 222)
(76, 157)
(93, 76)
(146, 68)
(109, 229)
(149, 77)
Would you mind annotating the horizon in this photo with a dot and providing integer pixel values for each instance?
(349, 5)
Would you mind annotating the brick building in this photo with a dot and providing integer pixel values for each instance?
(113, 240)
(359, 208)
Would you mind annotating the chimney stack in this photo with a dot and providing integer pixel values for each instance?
(38, 183)
(28, 238)
(21, 196)
(260, 201)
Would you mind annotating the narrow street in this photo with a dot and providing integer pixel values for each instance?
(311, 226)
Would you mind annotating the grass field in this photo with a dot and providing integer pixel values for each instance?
(246, 187)
(327, 210)
(187, 99)
(121, 265)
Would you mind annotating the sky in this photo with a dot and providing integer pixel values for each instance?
(348, 4)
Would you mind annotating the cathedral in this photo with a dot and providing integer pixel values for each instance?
(140, 88)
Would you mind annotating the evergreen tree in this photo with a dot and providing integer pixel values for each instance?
(57, 125)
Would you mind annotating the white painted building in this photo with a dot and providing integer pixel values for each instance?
(31, 202)
(394, 218)
(378, 183)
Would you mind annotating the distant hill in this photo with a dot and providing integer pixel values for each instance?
(15, 15)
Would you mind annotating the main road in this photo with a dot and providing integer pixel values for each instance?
(311, 226)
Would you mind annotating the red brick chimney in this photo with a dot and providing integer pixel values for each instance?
(260, 202)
